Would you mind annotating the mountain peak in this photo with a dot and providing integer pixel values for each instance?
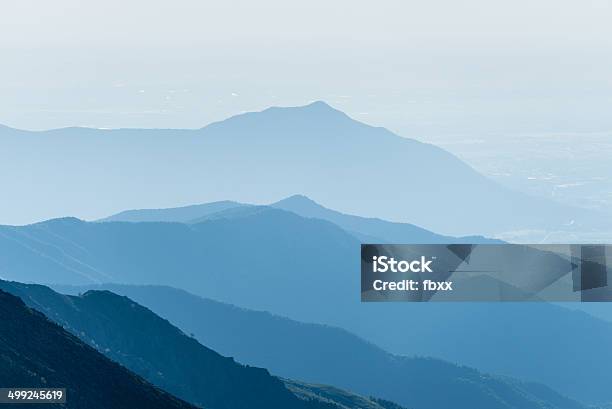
(298, 199)
(316, 115)
(319, 104)
(314, 108)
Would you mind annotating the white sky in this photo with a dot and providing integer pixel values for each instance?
(418, 67)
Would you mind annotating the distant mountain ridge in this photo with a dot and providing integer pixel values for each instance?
(36, 353)
(369, 230)
(314, 149)
(307, 269)
(178, 214)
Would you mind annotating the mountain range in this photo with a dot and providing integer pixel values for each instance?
(370, 230)
(314, 149)
(149, 345)
(216, 255)
(335, 357)
(292, 257)
(218, 258)
(307, 269)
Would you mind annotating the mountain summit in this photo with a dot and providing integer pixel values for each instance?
(309, 122)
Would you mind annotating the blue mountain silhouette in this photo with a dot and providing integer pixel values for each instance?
(370, 230)
(36, 353)
(152, 347)
(270, 259)
(229, 258)
(178, 214)
(533, 341)
(263, 156)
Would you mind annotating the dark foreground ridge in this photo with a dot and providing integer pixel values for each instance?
(312, 353)
(159, 352)
(37, 353)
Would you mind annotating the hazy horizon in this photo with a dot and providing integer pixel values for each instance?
(419, 69)
(567, 167)
(520, 91)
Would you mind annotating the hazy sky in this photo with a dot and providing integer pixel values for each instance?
(418, 67)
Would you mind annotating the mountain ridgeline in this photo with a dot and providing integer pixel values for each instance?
(215, 255)
(306, 268)
(36, 353)
(367, 230)
(154, 349)
(216, 258)
(150, 346)
(183, 214)
(271, 154)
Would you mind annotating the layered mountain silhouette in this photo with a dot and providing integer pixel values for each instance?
(228, 258)
(536, 341)
(178, 214)
(231, 255)
(314, 149)
(36, 353)
(151, 347)
(305, 268)
(336, 357)
(370, 230)
(125, 331)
